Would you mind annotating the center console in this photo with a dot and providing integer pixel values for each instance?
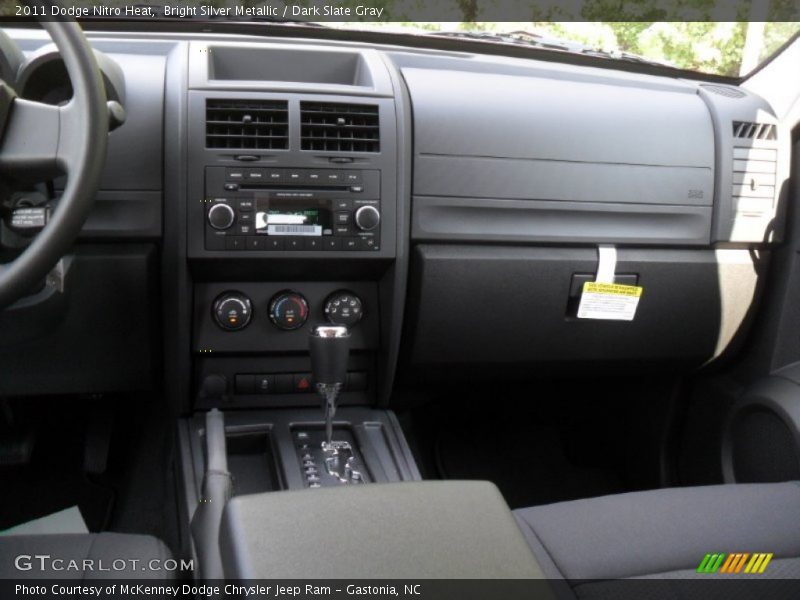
(294, 220)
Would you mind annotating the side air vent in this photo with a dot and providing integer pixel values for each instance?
(754, 131)
(247, 124)
(331, 127)
(724, 90)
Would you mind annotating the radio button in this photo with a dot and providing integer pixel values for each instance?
(246, 218)
(342, 230)
(333, 177)
(352, 176)
(231, 187)
(255, 174)
(342, 218)
(313, 243)
(255, 243)
(274, 175)
(343, 204)
(245, 205)
(351, 244)
(313, 177)
(294, 243)
(245, 229)
(235, 242)
(274, 243)
(356, 189)
(332, 243)
(234, 174)
(294, 176)
(221, 216)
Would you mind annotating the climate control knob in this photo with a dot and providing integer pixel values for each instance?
(367, 218)
(344, 308)
(232, 311)
(221, 216)
(288, 310)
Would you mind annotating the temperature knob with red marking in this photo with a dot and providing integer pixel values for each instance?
(288, 310)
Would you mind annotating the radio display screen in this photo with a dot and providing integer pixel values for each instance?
(293, 215)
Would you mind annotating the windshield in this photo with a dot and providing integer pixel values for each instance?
(732, 47)
(722, 48)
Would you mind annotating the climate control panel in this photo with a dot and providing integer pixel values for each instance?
(250, 317)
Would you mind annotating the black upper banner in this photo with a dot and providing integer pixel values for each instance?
(409, 11)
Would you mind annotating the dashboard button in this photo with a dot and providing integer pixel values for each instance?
(264, 384)
(352, 177)
(294, 243)
(342, 218)
(256, 243)
(245, 205)
(302, 382)
(294, 176)
(313, 177)
(313, 243)
(332, 243)
(235, 242)
(234, 174)
(245, 218)
(343, 204)
(342, 230)
(274, 175)
(351, 244)
(231, 187)
(333, 177)
(255, 175)
(274, 243)
(245, 229)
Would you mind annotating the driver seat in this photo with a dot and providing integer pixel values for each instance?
(37, 556)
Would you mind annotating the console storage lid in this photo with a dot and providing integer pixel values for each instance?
(415, 530)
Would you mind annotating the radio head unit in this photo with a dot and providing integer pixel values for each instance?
(292, 209)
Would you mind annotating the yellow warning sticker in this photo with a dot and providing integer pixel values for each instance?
(609, 301)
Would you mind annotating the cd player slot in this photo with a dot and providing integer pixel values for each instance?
(293, 188)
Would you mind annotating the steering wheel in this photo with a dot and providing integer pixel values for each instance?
(39, 142)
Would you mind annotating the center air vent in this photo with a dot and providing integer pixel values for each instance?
(754, 131)
(247, 124)
(331, 127)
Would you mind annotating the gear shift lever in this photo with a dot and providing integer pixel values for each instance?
(329, 346)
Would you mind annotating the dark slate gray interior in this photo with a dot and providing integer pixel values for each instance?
(496, 179)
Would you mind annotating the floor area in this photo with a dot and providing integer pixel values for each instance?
(132, 494)
(560, 440)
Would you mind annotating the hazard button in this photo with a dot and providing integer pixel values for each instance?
(302, 382)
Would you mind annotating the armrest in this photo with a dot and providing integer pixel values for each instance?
(425, 529)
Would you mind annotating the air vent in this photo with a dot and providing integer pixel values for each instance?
(746, 130)
(723, 90)
(329, 127)
(247, 124)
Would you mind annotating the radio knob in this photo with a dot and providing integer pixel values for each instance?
(221, 216)
(367, 218)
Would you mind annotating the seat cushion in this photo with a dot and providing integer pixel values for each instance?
(665, 533)
(112, 555)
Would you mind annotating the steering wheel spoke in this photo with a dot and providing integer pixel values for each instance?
(34, 144)
(40, 142)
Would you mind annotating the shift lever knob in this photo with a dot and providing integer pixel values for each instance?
(329, 346)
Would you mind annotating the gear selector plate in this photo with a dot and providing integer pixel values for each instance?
(323, 465)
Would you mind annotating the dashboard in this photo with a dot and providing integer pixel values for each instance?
(446, 206)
